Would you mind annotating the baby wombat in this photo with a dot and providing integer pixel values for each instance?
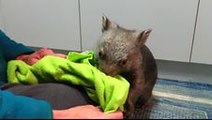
(122, 51)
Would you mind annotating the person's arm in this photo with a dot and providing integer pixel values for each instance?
(12, 49)
(85, 112)
(20, 107)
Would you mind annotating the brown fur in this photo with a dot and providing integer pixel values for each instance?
(123, 51)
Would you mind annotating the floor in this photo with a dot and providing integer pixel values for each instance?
(185, 71)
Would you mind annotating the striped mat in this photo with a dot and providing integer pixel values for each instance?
(175, 99)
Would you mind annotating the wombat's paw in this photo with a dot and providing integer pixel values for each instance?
(128, 114)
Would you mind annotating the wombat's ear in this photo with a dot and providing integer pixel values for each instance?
(143, 36)
(107, 24)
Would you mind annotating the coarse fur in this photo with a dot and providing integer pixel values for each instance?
(122, 51)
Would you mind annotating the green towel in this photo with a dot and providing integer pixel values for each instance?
(78, 69)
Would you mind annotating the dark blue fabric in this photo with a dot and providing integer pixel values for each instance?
(19, 107)
(12, 106)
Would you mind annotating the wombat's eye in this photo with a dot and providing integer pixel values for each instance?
(101, 55)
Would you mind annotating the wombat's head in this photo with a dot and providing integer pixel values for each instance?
(119, 48)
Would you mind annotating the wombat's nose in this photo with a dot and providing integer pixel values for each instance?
(111, 73)
(108, 69)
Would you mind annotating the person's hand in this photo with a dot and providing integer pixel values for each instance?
(85, 112)
(34, 57)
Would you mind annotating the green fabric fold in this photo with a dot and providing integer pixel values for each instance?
(78, 69)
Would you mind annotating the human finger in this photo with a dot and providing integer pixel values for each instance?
(114, 115)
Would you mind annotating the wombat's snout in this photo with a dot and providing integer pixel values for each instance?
(113, 74)
(108, 70)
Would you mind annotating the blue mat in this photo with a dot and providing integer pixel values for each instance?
(173, 99)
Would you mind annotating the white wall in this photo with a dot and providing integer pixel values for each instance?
(202, 50)
(43, 23)
(1, 18)
(172, 22)
(56, 24)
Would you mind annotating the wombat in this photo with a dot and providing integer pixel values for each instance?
(122, 51)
